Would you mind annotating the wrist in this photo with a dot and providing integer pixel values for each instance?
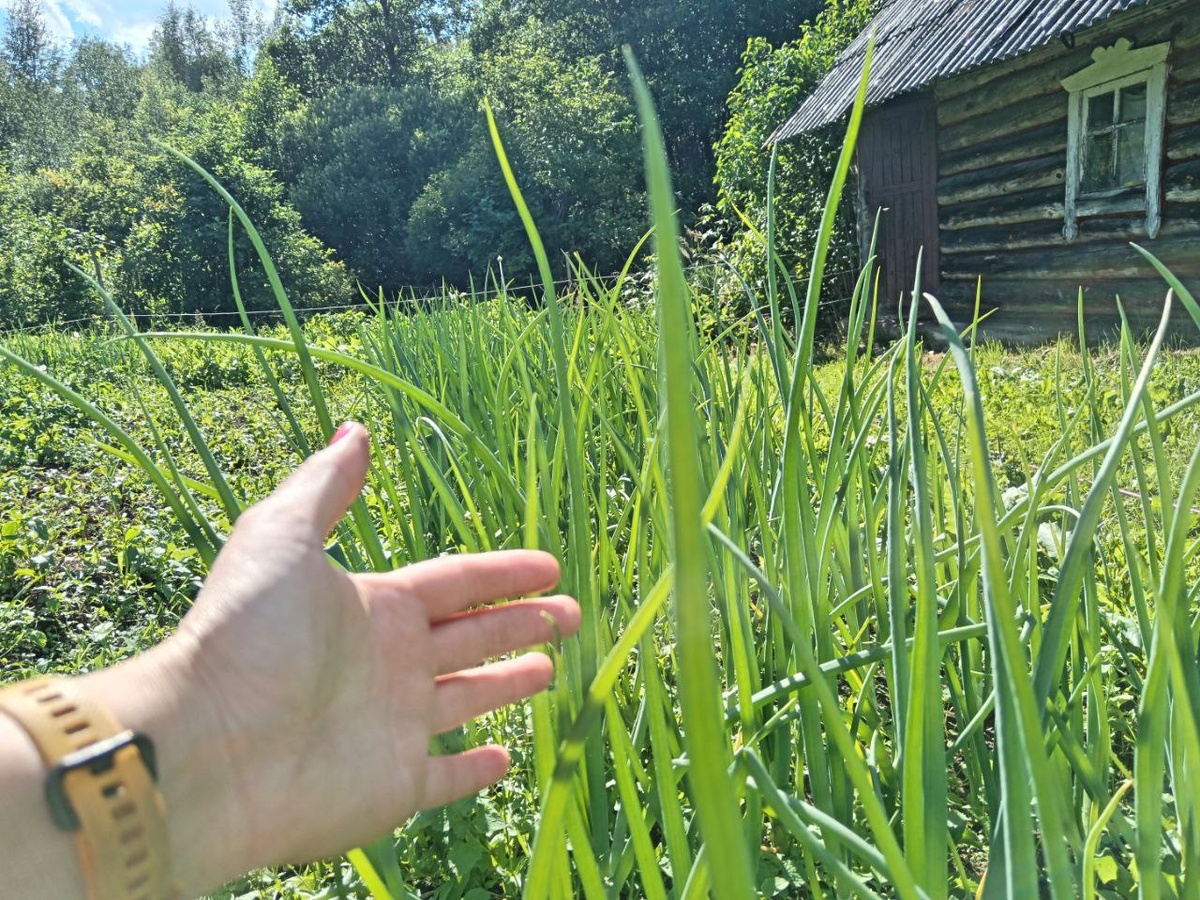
(154, 693)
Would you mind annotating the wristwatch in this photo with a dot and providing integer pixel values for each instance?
(101, 786)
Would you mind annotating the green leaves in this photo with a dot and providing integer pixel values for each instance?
(849, 628)
(699, 688)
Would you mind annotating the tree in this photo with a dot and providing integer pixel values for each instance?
(27, 46)
(570, 136)
(36, 282)
(324, 43)
(186, 51)
(104, 78)
(267, 106)
(359, 158)
(772, 83)
(175, 250)
(36, 122)
(242, 33)
(689, 53)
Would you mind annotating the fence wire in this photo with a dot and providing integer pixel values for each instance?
(842, 282)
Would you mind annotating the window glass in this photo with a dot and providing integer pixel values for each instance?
(1098, 162)
(1100, 111)
(1133, 103)
(1115, 129)
(1114, 144)
(1131, 156)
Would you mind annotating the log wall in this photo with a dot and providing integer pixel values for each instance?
(1002, 145)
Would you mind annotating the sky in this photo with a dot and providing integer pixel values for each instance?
(128, 22)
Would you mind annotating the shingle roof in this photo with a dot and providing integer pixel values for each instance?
(917, 41)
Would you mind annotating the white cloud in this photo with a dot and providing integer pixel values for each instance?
(136, 34)
(57, 21)
(85, 13)
(130, 22)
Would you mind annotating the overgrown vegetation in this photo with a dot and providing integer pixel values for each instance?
(352, 131)
(906, 624)
(772, 83)
(941, 586)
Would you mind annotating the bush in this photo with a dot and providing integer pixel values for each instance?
(772, 84)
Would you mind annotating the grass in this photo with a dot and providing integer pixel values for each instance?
(900, 625)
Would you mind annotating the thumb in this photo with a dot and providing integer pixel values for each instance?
(320, 491)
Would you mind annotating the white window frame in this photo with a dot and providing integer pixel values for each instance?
(1116, 67)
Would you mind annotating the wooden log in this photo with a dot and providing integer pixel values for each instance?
(1020, 86)
(1049, 295)
(1032, 206)
(1012, 119)
(995, 240)
(1184, 65)
(1101, 329)
(1088, 265)
(1041, 72)
(1182, 224)
(1031, 304)
(1044, 141)
(1182, 176)
(1183, 109)
(1019, 318)
(1182, 189)
(1002, 180)
(1183, 144)
(1183, 105)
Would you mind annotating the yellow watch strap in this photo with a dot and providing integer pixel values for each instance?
(101, 786)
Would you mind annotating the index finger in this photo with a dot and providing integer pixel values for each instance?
(451, 584)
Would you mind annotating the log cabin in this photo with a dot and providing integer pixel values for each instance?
(1023, 145)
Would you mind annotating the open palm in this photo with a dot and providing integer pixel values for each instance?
(326, 687)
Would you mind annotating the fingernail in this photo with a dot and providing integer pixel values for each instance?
(343, 430)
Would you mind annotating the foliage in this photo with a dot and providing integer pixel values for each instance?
(185, 50)
(773, 81)
(367, 113)
(689, 52)
(121, 208)
(577, 156)
(373, 149)
(36, 283)
(105, 80)
(322, 44)
(417, 158)
(27, 48)
(891, 586)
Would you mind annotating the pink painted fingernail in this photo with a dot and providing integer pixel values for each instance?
(345, 429)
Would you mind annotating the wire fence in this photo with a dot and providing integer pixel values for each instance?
(838, 286)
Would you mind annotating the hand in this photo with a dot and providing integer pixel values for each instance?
(310, 695)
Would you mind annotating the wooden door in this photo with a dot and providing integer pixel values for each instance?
(897, 163)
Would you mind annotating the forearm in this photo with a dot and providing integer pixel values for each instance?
(38, 860)
(149, 695)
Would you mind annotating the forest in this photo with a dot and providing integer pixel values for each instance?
(352, 131)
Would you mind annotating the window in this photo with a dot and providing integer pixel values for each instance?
(1114, 139)
(1114, 136)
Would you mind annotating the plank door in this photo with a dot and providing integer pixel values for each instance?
(897, 163)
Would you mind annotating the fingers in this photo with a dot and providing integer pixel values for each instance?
(467, 695)
(319, 492)
(469, 639)
(451, 584)
(460, 774)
